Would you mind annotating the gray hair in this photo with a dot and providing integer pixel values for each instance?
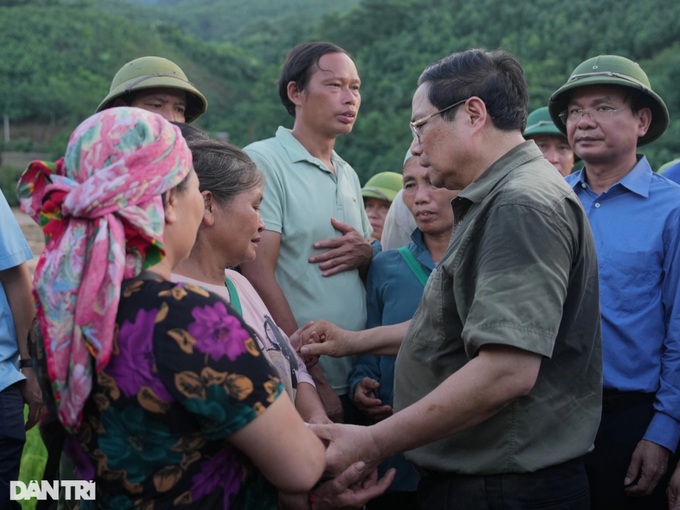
(223, 169)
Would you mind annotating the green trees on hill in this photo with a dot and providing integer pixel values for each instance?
(59, 58)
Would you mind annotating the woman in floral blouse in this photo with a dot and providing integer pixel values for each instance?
(167, 399)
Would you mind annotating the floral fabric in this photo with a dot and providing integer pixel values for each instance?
(101, 210)
(184, 374)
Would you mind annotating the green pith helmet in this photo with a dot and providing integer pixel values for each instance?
(540, 123)
(155, 72)
(611, 70)
(384, 186)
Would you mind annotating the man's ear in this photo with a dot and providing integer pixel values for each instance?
(476, 111)
(644, 121)
(294, 93)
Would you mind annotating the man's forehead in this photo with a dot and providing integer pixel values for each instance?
(421, 101)
(335, 64)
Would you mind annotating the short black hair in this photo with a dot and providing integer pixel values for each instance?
(496, 77)
(298, 68)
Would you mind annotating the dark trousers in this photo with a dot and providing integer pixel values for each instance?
(561, 487)
(12, 439)
(394, 501)
(625, 418)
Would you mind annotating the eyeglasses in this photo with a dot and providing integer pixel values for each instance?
(417, 124)
(597, 114)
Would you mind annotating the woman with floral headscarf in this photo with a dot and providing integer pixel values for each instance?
(160, 385)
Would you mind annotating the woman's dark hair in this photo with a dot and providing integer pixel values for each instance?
(187, 133)
(190, 132)
(223, 169)
(299, 66)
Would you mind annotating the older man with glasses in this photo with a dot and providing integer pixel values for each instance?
(607, 109)
(498, 378)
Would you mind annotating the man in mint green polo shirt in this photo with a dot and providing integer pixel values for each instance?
(316, 239)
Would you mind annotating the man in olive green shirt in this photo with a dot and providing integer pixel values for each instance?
(498, 379)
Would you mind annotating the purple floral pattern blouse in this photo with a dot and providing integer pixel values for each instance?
(185, 373)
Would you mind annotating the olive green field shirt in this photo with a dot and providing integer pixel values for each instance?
(521, 271)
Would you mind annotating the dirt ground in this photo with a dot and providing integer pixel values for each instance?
(33, 234)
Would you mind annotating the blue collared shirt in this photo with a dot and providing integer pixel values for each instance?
(14, 250)
(673, 173)
(636, 226)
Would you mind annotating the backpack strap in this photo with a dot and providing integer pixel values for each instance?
(413, 264)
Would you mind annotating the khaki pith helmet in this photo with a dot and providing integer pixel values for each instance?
(155, 72)
(611, 70)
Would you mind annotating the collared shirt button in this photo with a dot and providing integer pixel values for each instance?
(597, 204)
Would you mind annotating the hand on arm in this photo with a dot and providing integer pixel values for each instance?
(647, 466)
(352, 488)
(260, 273)
(494, 378)
(17, 284)
(344, 253)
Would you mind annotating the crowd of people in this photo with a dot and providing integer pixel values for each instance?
(496, 325)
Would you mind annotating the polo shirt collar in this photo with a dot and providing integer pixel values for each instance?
(297, 152)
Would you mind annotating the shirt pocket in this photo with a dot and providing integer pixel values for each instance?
(428, 328)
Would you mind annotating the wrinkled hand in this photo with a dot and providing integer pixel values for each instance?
(366, 401)
(297, 341)
(325, 338)
(647, 466)
(345, 445)
(349, 251)
(673, 491)
(30, 391)
(352, 488)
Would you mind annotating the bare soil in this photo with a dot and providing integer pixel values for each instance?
(33, 234)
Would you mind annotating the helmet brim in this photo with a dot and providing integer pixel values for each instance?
(197, 104)
(559, 102)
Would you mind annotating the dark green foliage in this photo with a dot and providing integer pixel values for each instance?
(9, 177)
(59, 57)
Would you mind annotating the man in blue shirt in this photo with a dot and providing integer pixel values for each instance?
(18, 384)
(671, 170)
(607, 109)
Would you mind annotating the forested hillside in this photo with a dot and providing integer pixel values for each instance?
(234, 20)
(59, 56)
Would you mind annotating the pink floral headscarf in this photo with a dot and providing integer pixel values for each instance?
(101, 210)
